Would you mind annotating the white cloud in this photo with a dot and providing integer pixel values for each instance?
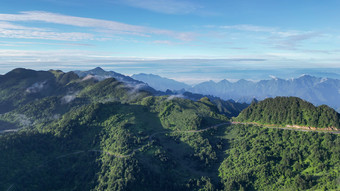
(26, 43)
(29, 34)
(69, 97)
(167, 42)
(251, 28)
(8, 25)
(165, 6)
(180, 96)
(276, 37)
(110, 27)
(292, 40)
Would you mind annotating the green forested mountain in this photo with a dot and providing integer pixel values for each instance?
(290, 111)
(85, 134)
(21, 86)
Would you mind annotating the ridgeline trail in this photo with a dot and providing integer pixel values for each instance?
(285, 128)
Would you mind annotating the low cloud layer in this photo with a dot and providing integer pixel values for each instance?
(36, 87)
(69, 97)
(174, 96)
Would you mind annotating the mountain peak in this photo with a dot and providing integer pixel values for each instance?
(307, 76)
(146, 75)
(243, 81)
(224, 81)
(98, 69)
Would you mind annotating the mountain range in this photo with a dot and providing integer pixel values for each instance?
(60, 131)
(162, 86)
(316, 90)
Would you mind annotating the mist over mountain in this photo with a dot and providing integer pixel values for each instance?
(163, 86)
(101, 74)
(28, 94)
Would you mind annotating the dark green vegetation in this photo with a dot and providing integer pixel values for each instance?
(290, 111)
(275, 159)
(102, 135)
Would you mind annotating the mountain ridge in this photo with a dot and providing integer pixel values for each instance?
(317, 90)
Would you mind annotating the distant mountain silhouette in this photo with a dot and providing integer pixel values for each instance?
(159, 82)
(313, 89)
(316, 90)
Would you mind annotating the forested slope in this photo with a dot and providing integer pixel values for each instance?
(109, 146)
(275, 159)
(290, 111)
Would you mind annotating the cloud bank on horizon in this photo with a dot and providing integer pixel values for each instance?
(191, 38)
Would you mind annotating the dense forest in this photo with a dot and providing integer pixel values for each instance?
(290, 111)
(275, 159)
(105, 135)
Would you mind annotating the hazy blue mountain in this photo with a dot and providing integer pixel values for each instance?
(313, 89)
(101, 74)
(284, 73)
(160, 83)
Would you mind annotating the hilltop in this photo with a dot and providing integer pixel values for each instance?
(291, 111)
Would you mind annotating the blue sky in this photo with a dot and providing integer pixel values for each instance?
(188, 40)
